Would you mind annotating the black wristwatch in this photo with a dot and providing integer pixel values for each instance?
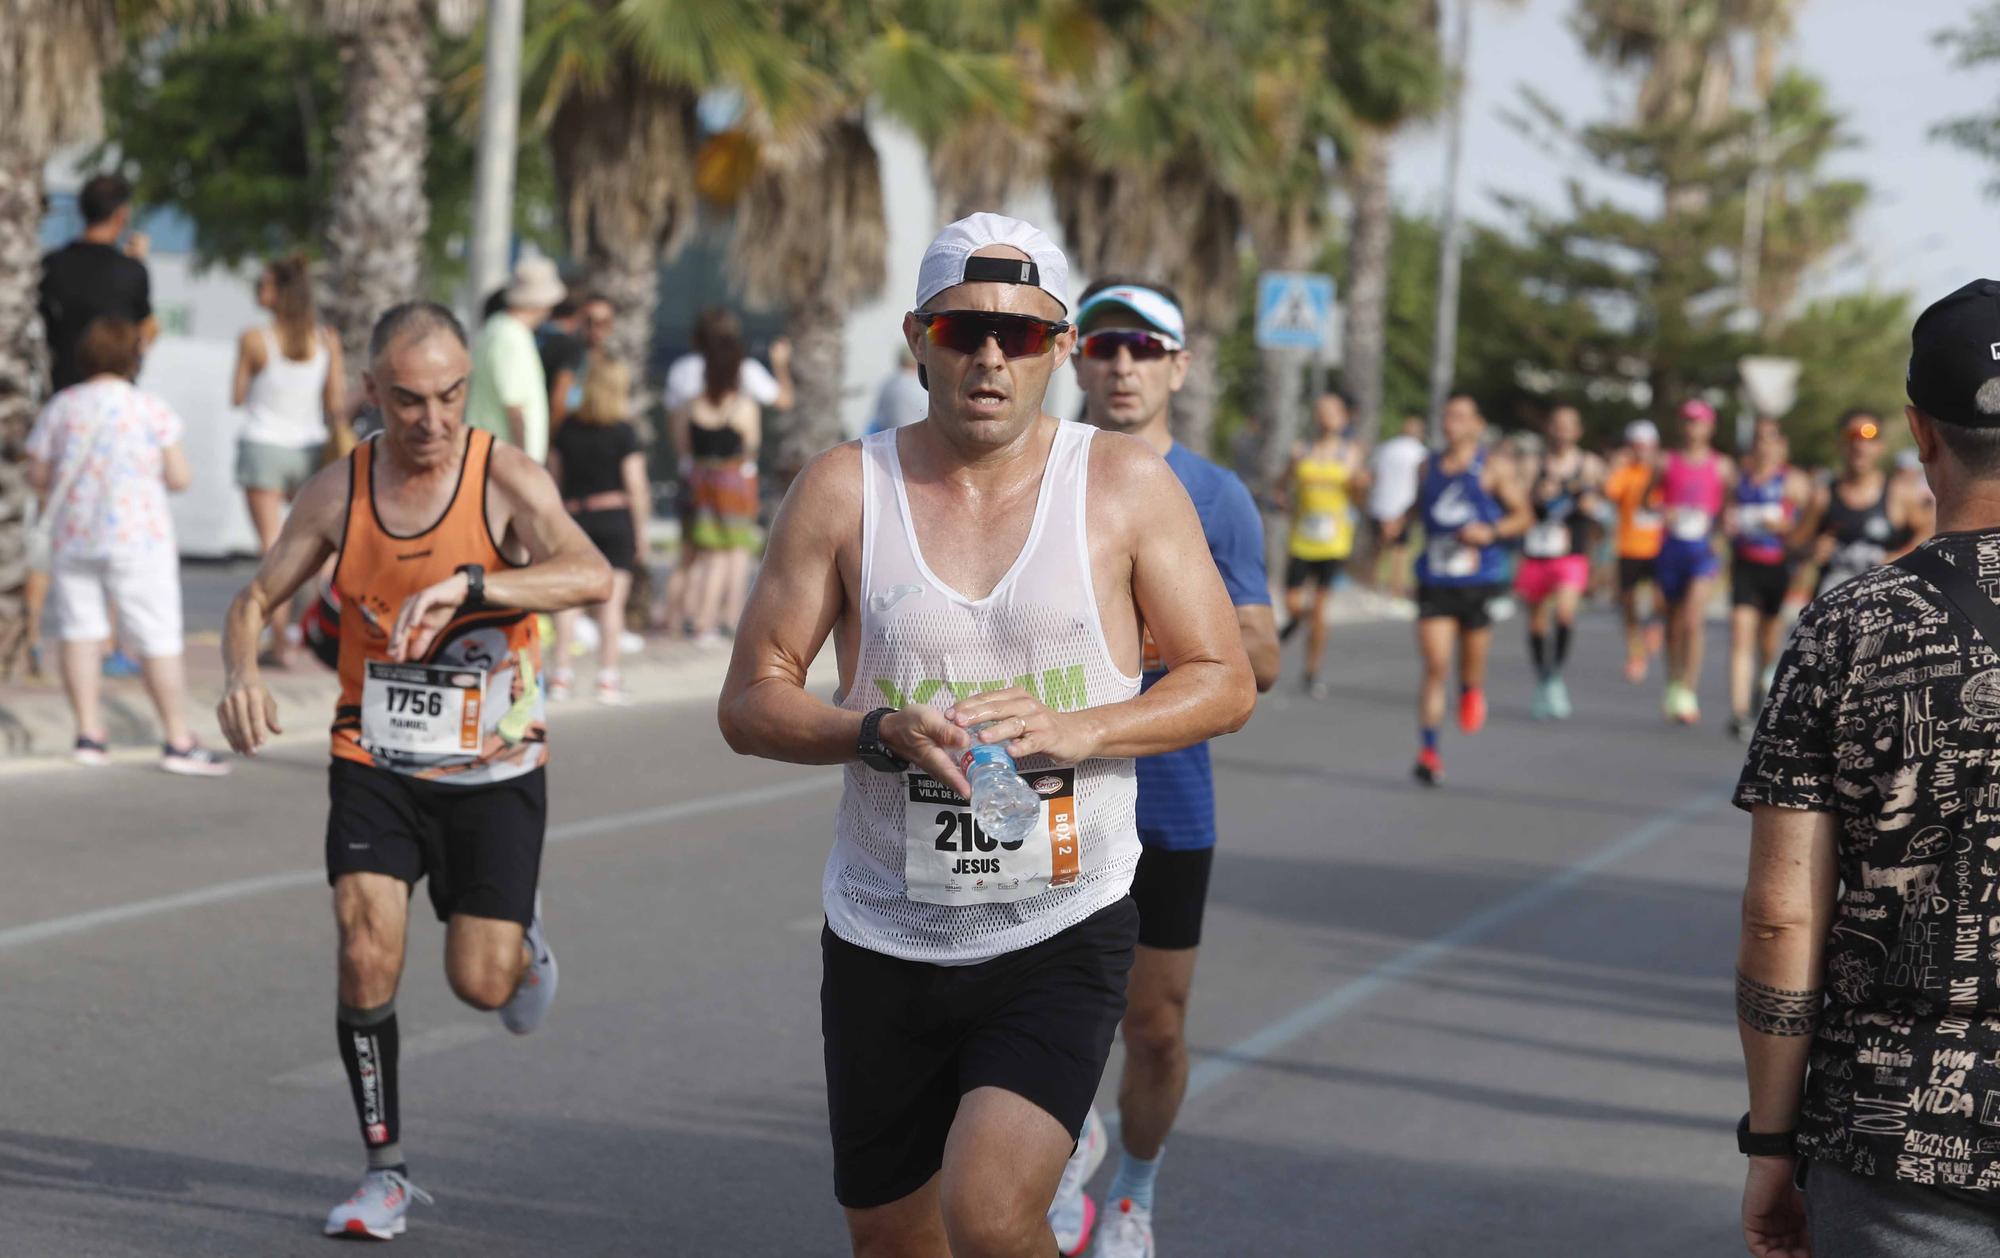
(475, 583)
(873, 751)
(1752, 1144)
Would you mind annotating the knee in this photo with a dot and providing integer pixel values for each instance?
(370, 962)
(483, 984)
(990, 1221)
(1157, 1034)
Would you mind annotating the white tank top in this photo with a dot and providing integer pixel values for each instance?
(286, 403)
(909, 876)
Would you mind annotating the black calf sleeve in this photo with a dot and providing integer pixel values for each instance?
(368, 1050)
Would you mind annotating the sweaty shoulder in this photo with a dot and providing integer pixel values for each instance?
(826, 494)
(1123, 465)
(516, 473)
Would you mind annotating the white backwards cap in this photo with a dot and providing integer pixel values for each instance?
(949, 259)
(1642, 432)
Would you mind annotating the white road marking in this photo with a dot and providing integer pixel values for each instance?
(1260, 1045)
(325, 1074)
(244, 888)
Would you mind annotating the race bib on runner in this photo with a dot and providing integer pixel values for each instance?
(1449, 557)
(1320, 526)
(421, 709)
(1646, 521)
(1691, 524)
(1546, 540)
(948, 859)
(1762, 517)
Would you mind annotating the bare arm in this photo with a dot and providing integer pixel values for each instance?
(781, 371)
(248, 713)
(1506, 486)
(752, 428)
(40, 475)
(517, 426)
(174, 469)
(1807, 529)
(1209, 689)
(1788, 907)
(632, 470)
(334, 397)
(765, 708)
(249, 361)
(1259, 627)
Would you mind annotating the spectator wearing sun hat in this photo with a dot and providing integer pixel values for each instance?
(510, 391)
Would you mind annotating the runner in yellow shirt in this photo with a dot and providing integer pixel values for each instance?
(1325, 476)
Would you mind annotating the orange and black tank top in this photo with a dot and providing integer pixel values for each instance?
(470, 712)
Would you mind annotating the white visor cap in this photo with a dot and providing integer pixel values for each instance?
(1642, 432)
(949, 261)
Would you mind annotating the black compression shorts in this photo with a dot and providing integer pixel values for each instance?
(480, 847)
(1171, 889)
(906, 1039)
(1759, 585)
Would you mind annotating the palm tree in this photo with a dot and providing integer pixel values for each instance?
(1384, 63)
(1150, 163)
(614, 86)
(812, 237)
(380, 212)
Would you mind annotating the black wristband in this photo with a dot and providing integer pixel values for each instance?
(475, 583)
(1755, 1144)
(870, 748)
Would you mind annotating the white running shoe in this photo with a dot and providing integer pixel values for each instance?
(1128, 1233)
(536, 991)
(377, 1208)
(1073, 1212)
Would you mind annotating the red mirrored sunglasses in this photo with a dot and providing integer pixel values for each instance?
(966, 331)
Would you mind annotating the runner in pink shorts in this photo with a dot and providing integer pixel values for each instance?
(1565, 483)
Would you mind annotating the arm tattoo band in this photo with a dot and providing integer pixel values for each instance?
(1775, 1011)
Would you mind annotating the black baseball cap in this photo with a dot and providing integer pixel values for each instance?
(1955, 355)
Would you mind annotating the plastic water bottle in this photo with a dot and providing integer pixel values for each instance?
(1005, 807)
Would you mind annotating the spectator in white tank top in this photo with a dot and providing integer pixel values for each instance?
(289, 379)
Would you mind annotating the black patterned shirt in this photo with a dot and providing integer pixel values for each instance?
(1885, 712)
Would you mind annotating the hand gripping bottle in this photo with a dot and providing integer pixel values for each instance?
(1005, 807)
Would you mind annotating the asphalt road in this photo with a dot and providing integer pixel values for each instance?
(1492, 1019)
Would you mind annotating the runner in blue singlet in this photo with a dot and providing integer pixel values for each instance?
(1469, 504)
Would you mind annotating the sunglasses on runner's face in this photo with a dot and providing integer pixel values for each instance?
(965, 331)
(1145, 347)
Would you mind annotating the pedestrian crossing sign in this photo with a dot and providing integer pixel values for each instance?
(1294, 310)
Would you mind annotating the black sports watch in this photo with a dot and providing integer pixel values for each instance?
(1760, 1144)
(475, 583)
(873, 751)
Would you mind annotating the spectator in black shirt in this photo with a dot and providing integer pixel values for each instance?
(92, 278)
(1868, 970)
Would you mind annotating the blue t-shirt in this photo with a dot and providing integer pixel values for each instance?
(1177, 790)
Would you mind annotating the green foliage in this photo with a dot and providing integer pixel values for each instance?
(1973, 46)
(234, 127)
(235, 130)
(1855, 349)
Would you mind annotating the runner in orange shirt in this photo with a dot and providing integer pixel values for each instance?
(1630, 486)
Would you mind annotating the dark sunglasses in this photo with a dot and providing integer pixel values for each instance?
(1145, 347)
(965, 331)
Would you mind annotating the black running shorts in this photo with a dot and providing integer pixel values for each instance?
(1300, 573)
(906, 1039)
(1759, 585)
(1467, 604)
(479, 846)
(1171, 890)
(1632, 573)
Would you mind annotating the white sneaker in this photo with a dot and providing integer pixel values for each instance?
(377, 1208)
(1073, 1212)
(530, 1002)
(1128, 1233)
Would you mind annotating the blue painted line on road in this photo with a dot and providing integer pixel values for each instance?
(244, 888)
(1260, 1045)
